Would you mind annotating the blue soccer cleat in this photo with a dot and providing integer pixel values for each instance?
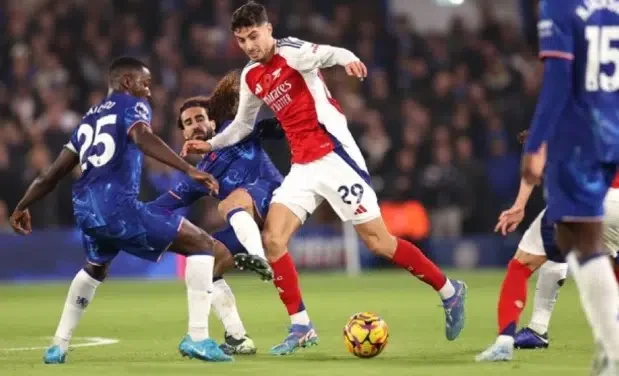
(500, 351)
(527, 338)
(298, 336)
(206, 350)
(454, 311)
(54, 355)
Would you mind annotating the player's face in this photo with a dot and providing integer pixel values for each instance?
(140, 83)
(196, 124)
(256, 41)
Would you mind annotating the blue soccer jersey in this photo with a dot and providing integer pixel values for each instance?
(105, 201)
(245, 165)
(586, 33)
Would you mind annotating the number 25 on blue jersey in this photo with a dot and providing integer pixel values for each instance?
(95, 145)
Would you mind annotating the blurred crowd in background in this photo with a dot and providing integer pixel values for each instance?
(436, 119)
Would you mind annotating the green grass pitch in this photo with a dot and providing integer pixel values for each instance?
(149, 318)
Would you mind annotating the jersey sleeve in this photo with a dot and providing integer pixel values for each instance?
(185, 193)
(555, 30)
(243, 123)
(306, 56)
(73, 143)
(138, 111)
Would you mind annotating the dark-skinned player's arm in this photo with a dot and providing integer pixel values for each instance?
(40, 187)
(154, 147)
(241, 127)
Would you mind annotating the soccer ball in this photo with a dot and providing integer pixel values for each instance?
(366, 334)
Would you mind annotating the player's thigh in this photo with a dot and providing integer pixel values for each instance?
(576, 189)
(376, 237)
(99, 255)
(539, 240)
(261, 193)
(280, 224)
(347, 188)
(237, 199)
(191, 239)
(297, 194)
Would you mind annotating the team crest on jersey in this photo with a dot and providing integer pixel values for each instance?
(142, 110)
(267, 79)
(213, 156)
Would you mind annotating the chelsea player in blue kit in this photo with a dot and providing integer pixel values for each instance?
(109, 145)
(247, 180)
(576, 129)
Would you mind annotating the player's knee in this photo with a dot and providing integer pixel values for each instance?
(98, 272)
(275, 245)
(238, 202)
(533, 262)
(380, 245)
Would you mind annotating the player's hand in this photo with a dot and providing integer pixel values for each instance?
(532, 167)
(509, 220)
(21, 222)
(195, 147)
(357, 69)
(205, 178)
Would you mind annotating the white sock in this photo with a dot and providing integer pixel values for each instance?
(199, 280)
(599, 292)
(448, 290)
(300, 318)
(81, 292)
(248, 233)
(548, 284)
(574, 269)
(224, 305)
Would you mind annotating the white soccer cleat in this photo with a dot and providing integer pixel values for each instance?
(501, 351)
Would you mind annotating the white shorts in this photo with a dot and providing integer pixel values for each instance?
(334, 177)
(532, 241)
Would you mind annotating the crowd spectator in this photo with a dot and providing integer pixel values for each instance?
(436, 119)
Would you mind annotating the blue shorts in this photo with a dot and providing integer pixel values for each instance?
(575, 189)
(261, 192)
(549, 240)
(146, 233)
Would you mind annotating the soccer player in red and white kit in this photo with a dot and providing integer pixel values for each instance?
(326, 165)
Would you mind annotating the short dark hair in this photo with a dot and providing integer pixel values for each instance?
(250, 14)
(121, 65)
(126, 62)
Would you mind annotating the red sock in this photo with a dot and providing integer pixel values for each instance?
(409, 257)
(286, 280)
(513, 296)
(616, 269)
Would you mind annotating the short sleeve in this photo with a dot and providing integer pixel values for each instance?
(73, 143)
(555, 29)
(138, 111)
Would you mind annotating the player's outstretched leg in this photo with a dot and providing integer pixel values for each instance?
(512, 300)
(81, 292)
(551, 277)
(377, 238)
(280, 224)
(193, 242)
(238, 209)
(224, 305)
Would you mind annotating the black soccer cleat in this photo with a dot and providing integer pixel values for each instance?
(256, 264)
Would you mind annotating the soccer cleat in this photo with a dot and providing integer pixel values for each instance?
(298, 336)
(527, 338)
(255, 264)
(54, 355)
(241, 346)
(500, 351)
(206, 350)
(454, 311)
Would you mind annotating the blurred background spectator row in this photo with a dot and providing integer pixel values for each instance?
(436, 119)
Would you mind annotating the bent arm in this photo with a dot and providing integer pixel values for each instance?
(47, 181)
